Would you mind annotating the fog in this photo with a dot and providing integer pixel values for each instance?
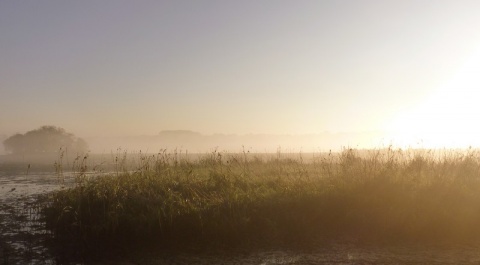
(195, 142)
(2, 138)
(192, 142)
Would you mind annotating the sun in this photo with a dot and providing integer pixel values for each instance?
(449, 118)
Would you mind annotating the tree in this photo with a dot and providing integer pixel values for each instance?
(46, 139)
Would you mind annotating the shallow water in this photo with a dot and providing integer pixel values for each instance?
(335, 253)
(23, 237)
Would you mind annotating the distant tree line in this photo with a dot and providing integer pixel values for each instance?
(46, 139)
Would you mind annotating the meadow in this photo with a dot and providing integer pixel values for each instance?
(238, 200)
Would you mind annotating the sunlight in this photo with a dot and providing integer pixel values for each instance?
(448, 118)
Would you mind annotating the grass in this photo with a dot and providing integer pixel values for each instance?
(389, 195)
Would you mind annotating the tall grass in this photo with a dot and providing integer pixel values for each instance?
(389, 195)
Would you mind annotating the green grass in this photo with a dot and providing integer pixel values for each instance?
(223, 199)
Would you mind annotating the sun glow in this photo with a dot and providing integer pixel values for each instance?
(449, 118)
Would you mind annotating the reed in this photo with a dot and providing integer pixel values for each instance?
(385, 195)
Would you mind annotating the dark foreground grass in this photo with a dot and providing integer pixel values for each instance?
(227, 200)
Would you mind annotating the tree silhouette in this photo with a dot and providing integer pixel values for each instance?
(46, 139)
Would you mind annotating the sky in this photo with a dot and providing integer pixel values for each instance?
(122, 68)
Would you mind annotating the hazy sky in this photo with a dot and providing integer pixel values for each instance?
(139, 67)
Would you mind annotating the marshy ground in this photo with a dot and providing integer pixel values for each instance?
(368, 206)
(23, 233)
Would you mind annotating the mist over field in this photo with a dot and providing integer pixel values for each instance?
(187, 141)
(195, 142)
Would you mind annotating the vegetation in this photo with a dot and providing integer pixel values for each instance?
(377, 196)
(46, 139)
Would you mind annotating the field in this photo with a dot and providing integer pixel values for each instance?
(230, 200)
